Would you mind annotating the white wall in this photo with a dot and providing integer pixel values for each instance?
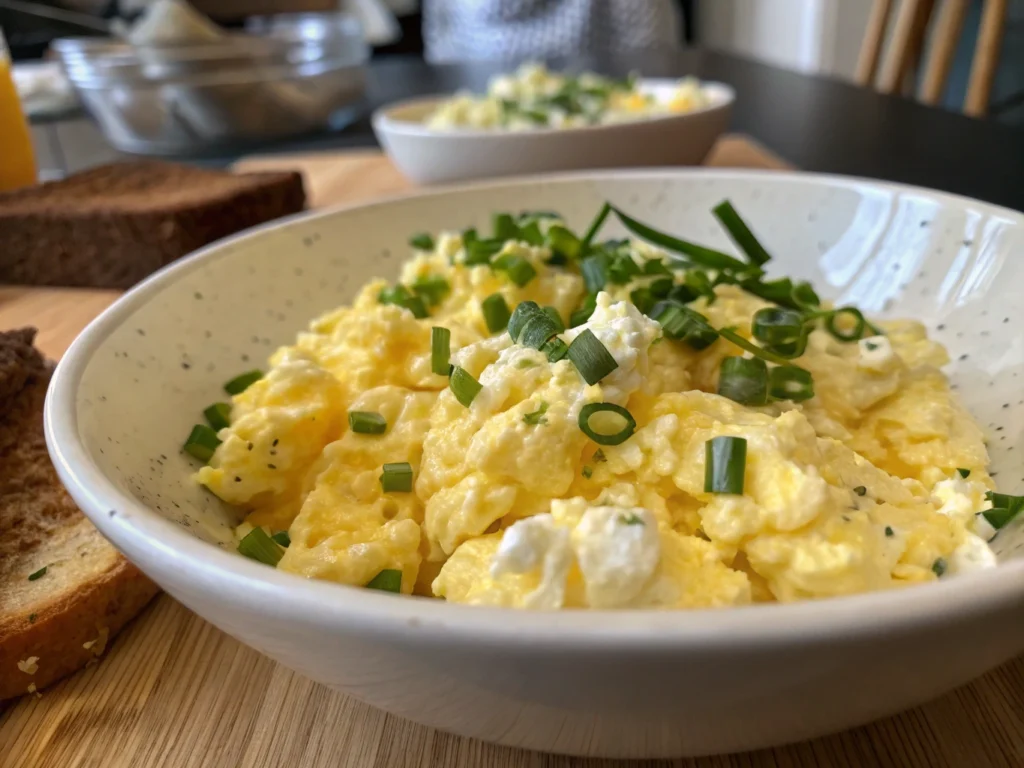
(807, 35)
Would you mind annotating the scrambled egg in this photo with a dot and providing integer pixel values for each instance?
(877, 481)
(533, 97)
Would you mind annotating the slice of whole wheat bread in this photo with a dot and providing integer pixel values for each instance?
(58, 621)
(113, 225)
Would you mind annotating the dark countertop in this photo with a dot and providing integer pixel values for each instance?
(818, 124)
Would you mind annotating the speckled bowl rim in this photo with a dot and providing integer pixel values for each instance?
(382, 119)
(223, 576)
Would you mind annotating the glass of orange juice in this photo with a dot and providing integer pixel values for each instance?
(17, 163)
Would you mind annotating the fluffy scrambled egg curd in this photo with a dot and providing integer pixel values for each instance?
(539, 419)
(533, 97)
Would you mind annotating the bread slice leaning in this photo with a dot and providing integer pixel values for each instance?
(59, 620)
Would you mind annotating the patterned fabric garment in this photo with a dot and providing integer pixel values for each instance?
(464, 30)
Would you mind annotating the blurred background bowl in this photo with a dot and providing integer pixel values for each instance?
(293, 78)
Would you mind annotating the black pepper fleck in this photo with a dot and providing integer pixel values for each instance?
(275, 442)
(249, 447)
(238, 479)
(271, 466)
(963, 356)
(198, 295)
(186, 366)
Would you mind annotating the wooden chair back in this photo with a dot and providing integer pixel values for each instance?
(909, 39)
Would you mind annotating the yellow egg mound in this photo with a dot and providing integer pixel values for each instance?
(876, 481)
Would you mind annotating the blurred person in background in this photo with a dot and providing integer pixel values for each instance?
(467, 30)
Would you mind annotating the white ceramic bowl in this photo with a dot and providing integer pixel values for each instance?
(430, 156)
(597, 683)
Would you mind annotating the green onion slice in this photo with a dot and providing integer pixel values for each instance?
(597, 429)
(725, 462)
(563, 242)
(496, 312)
(594, 227)
(555, 349)
(432, 288)
(367, 423)
(555, 317)
(218, 415)
(440, 350)
(740, 233)
(804, 297)
(530, 233)
(656, 267)
(777, 325)
(591, 358)
(787, 382)
(1004, 508)
(860, 490)
(537, 417)
(586, 309)
(731, 335)
(422, 241)
(939, 566)
(242, 382)
(643, 299)
(479, 252)
(661, 288)
(524, 311)
(684, 324)
(396, 478)
(519, 270)
(505, 227)
(595, 272)
(964, 473)
(538, 329)
(854, 333)
(744, 380)
(388, 580)
(464, 386)
(698, 254)
(282, 538)
(38, 574)
(257, 545)
(202, 442)
(623, 269)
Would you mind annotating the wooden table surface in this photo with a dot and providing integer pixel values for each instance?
(173, 690)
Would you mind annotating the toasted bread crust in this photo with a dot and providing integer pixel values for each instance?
(113, 225)
(89, 591)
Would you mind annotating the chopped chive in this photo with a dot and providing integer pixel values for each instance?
(595, 226)
(684, 324)
(740, 233)
(464, 386)
(523, 313)
(860, 490)
(218, 415)
(388, 580)
(582, 314)
(257, 545)
(432, 288)
(396, 478)
(563, 242)
(591, 358)
(642, 299)
(744, 380)
(202, 442)
(595, 272)
(804, 297)
(622, 269)
(480, 251)
(242, 382)
(631, 518)
(400, 296)
(530, 233)
(725, 462)
(417, 306)
(422, 241)
(661, 288)
(538, 330)
(38, 574)
(367, 423)
(440, 350)
(731, 335)
(606, 437)
(504, 227)
(888, 531)
(555, 349)
(854, 334)
(656, 267)
(787, 382)
(698, 254)
(1004, 508)
(519, 270)
(777, 325)
(282, 538)
(599, 456)
(964, 473)
(496, 312)
(555, 317)
(588, 472)
(537, 417)
(939, 566)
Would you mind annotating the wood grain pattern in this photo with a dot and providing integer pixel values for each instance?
(986, 57)
(174, 691)
(945, 37)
